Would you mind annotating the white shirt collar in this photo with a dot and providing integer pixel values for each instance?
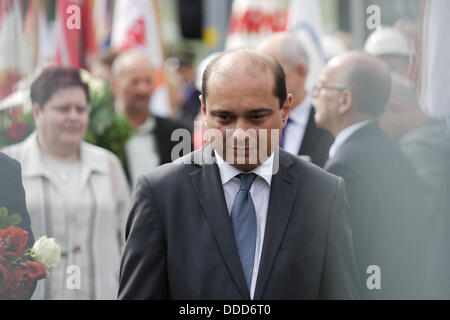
(300, 114)
(147, 127)
(344, 135)
(228, 172)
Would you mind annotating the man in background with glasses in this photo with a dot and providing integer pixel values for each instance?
(383, 187)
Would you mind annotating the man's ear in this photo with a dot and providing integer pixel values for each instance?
(302, 70)
(36, 112)
(202, 105)
(286, 109)
(346, 101)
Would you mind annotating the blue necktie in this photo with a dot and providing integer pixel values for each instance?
(243, 218)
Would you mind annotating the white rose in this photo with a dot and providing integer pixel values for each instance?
(46, 251)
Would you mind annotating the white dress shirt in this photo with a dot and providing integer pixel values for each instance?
(260, 192)
(141, 151)
(295, 130)
(344, 135)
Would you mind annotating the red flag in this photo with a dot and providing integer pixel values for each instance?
(75, 36)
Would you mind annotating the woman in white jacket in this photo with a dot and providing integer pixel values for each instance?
(76, 192)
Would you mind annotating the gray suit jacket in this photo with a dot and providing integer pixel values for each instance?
(180, 242)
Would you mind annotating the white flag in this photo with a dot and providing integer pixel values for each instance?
(15, 61)
(135, 26)
(435, 96)
(305, 21)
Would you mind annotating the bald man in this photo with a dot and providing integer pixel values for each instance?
(383, 188)
(426, 142)
(301, 136)
(220, 224)
(133, 78)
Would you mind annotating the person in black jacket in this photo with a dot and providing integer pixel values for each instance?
(207, 228)
(301, 136)
(12, 193)
(133, 84)
(12, 197)
(384, 190)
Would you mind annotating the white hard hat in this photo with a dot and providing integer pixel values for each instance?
(332, 46)
(387, 40)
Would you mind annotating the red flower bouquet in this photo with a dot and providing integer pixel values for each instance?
(20, 267)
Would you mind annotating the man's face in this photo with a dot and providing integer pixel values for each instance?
(63, 120)
(134, 87)
(327, 101)
(237, 104)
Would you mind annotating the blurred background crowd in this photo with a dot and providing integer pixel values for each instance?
(132, 69)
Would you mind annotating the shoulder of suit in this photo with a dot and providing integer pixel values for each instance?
(6, 162)
(172, 172)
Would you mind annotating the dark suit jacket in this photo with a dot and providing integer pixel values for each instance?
(180, 242)
(385, 200)
(12, 193)
(12, 197)
(316, 142)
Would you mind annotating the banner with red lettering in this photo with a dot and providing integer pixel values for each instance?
(251, 21)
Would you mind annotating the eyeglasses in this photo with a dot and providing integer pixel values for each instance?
(316, 89)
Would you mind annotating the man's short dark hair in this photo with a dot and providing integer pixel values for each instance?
(53, 79)
(279, 91)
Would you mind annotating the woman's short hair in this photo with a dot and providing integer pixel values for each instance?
(53, 79)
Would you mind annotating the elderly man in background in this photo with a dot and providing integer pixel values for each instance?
(133, 79)
(351, 95)
(301, 136)
(426, 142)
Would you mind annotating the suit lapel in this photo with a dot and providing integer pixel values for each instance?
(208, 186)
(282, 195)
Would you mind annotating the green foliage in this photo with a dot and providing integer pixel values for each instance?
(6, 220)
(15, 126)
(107, 128)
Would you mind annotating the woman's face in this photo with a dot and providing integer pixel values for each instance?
(61, 123)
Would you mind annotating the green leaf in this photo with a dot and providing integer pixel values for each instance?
(3, 213)
(14, 220)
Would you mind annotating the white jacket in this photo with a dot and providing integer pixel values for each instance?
(97, 229)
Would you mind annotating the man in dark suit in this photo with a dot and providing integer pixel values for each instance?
(12, 193)
(383, 188)
(133, 78)
(12, 197)
(266, 227)
(301, 136)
